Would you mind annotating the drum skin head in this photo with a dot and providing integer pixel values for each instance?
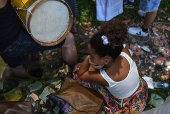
(49, 21)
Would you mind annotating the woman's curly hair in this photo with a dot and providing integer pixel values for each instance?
(116, 32)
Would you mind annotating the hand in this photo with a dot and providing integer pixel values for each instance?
(94, 65)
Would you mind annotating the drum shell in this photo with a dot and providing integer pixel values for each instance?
(26, 20)
(22, 13)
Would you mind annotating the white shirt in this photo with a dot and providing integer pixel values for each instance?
(125, 88)
(108, 9)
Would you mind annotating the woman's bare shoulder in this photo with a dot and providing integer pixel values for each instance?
(119, 69)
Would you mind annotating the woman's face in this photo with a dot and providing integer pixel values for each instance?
(94, 57)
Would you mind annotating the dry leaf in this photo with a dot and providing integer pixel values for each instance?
(127, 21)
(166, 35)
(34, 96)
(159, 60)
(41, 102)
(123, 16)
(154, 29)
(165, 77)
(162, 11)
(49, 57)
(139, 53)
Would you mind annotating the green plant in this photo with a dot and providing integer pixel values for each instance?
(87, 12)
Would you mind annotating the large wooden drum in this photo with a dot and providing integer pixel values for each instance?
(47, 21)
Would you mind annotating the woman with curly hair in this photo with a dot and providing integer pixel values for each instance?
(111, 71)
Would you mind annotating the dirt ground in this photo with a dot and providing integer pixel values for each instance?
(152, 56)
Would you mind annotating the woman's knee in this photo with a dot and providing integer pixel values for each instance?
(69, 40)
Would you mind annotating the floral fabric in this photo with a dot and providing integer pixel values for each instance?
(131, 105)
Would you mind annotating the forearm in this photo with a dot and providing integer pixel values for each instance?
(2, 3)
(84, 67)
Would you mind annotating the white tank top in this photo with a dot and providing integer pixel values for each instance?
(125, 88)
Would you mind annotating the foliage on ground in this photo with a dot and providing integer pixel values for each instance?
(87, 12)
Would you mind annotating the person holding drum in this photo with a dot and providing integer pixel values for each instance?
(74, 8)
(40, 33)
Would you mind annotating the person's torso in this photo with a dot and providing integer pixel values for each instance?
(10, 25)
(126, 87)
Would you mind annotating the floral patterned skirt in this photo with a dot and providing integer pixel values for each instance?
(131, 105)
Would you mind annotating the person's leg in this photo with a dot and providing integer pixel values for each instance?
(141, 13)
(69, 51)
(74, 26)
(129, 4)
(21, 72)
(149, 18)
(24, 45)
(73, 29)
(74, 8)
(12, 57)
(165, 77)
(151, 7)
(69, 54)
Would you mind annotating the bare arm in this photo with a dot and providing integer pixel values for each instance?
(2, 3)
(89, 74)
(84, 67)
